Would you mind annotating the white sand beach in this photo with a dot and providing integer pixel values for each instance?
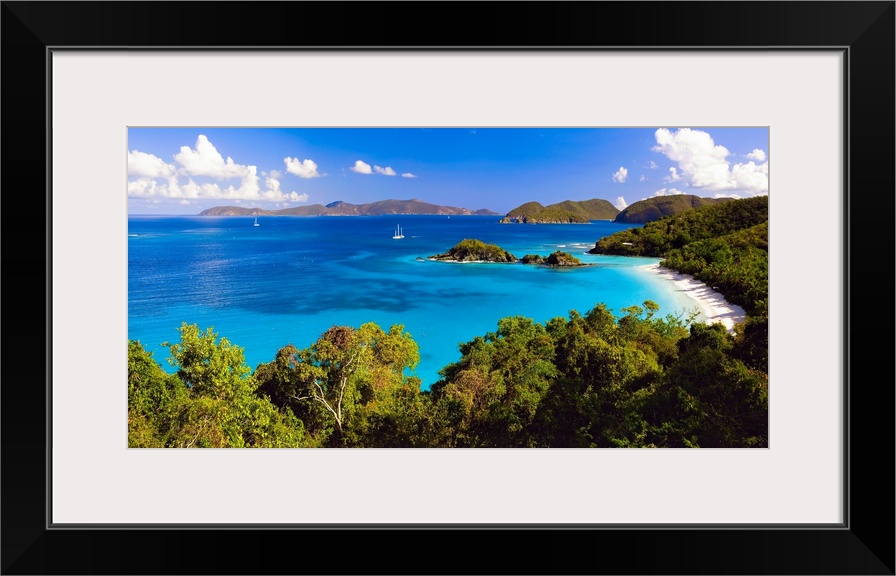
(711, 304)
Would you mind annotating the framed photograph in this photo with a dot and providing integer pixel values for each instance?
(115, 94)
(348, 286)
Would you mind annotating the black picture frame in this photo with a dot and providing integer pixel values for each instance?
(864, 544)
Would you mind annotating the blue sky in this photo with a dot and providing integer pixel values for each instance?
(186, 170)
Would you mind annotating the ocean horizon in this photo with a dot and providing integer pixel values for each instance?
(289, 279)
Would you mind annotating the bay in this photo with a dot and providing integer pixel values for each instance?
(289, 279)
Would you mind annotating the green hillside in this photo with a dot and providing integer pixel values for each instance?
(724, 245)
(594, 209)
(652, 209)
(566, 212)
(658, 237)
(526, 210)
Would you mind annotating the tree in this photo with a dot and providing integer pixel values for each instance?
(494, 390)
(708, 398)
(223, 409)
(350, 383)
(154, 397)
(209, 368)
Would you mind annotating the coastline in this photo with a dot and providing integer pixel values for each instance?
(712, 305)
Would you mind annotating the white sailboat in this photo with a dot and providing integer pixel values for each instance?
(398, 235)
(256, 221)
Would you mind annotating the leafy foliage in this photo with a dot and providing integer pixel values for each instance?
(735, 264)
(348, 384)
(724, 246)
(211, 401)
(592, 380)
(674, 232)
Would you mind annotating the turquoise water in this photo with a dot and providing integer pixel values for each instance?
(291, 278)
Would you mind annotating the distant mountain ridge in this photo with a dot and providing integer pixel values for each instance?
(340, 208)
(652, 209)
(566, 212)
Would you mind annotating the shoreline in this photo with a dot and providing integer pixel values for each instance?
(712, 305)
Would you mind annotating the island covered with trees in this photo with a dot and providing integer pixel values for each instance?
(566, 212)
(650, 209)
(592, 379)
(472, 250)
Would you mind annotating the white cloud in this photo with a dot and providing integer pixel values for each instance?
(275, 173)
(408, 175)
(673, 176)
(620, 203)
(361, 167)
(148, 165)
(205, 160)
(751, 177)
(387, 171)
(302, 169)
(248, 190)
(704, 164)
(653, 165)
(642, 178)
(667, 192)
(620, 175)
(272, 184)
(735, 196)
(757, 155)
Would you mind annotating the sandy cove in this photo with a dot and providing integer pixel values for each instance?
(711, 304)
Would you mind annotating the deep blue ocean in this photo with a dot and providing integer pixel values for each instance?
(291, 278)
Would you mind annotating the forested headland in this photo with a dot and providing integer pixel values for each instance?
(566, 212)
(595, 378)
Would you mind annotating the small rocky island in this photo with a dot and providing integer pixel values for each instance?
(471, 250)
(557, 259)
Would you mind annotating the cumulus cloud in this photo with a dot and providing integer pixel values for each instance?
(653, 165)
(387, 171)
(673, 176)
(302, 169)
(273, 193)
(735, 196)
(276, 173)
(704, 164)
(620, 203)
(148, 165)
(156, 180)
(751, 178)
(248, 190)
(408, 175)
(205, 160)
(361, 167)
(642, 178)
(620, 175)
(757, 155)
